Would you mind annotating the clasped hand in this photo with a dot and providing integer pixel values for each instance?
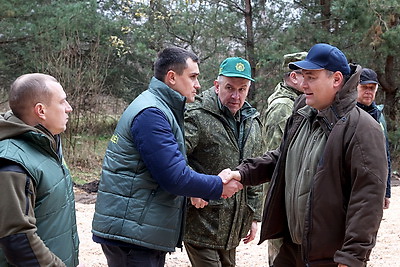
(231, 184)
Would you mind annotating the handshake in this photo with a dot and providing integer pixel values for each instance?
(231, 185)
(231, 182)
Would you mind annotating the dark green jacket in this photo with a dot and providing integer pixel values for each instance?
(211, 147)
(134, 205)
(37, 203)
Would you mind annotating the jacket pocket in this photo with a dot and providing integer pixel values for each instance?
(147, 206)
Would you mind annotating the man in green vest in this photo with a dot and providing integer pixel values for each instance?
(37, 208)
(141, 204)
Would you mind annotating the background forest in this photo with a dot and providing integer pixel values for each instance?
(102, 51)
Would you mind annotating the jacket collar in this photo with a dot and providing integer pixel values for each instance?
(12, 127)
(174, 100)
(367, 108)
(345, 100)
(208, 100)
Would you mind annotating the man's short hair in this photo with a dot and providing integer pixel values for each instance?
(172, 58)
(28, 90)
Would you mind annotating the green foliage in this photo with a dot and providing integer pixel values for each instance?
(105, 47)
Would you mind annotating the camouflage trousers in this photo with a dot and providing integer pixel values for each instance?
(209, 257)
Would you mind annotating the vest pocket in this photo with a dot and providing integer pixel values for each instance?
(147, 206)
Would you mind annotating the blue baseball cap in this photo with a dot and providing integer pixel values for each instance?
(323, 56)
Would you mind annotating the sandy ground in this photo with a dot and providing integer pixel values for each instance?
(385, 253)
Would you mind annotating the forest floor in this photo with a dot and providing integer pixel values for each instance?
(385, 253)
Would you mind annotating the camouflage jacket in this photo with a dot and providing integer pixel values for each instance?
(211, 147)
(280, 106)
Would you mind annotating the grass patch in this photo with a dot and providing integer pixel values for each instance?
(84, 157)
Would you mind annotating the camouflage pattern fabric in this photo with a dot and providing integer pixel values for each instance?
(289, 58)
(280, 105)
(212, 146)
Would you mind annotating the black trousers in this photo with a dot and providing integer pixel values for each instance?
(133, 257)
(290, 254)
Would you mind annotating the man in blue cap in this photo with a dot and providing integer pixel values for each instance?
(221, 129)
(328, 176)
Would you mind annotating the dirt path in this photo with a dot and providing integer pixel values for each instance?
(385, 253)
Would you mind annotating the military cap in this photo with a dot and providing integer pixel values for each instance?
(289, 58)
(235, 67)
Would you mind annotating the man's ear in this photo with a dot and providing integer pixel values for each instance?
(40, 111)
(293, 77)
(170, 78)
(216, 85)
(338, 79)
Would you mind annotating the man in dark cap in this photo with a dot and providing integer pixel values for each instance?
(366, 90)
(328, 176)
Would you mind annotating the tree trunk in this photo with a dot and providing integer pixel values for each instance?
(388, 84)
(248, 15)
(326, 14)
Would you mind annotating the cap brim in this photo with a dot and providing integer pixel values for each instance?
(235, 75)
(368, 82)
(306, 65)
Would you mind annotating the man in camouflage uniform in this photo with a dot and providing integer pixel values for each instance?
(221, 130)
(280, 105)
